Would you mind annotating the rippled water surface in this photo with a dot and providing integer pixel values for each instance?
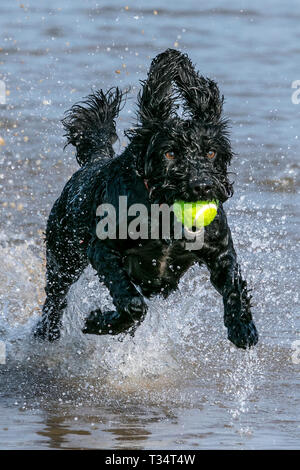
(179, 383)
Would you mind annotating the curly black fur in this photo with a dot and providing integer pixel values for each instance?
(145, 175)
(91, 127)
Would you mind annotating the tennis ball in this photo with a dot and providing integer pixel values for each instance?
(195, 214)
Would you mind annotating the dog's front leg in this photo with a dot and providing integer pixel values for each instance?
(227, 279)
(130, 304)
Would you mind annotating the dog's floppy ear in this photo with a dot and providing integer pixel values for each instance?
(156, 101)
(201, 95)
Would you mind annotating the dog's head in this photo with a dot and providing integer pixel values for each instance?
(181, 157)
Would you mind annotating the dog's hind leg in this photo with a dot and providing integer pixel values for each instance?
(60, 276)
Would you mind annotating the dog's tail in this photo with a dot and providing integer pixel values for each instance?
(90, 125)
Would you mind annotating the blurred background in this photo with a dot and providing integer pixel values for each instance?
(179, 384)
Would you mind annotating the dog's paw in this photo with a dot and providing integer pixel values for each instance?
(131, 312)
(243, 335)
(44, 331)
(135, 307)
(104, 323)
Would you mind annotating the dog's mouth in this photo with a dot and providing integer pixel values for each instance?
(209, 197)
(168, 196)
(220, 191)
(166, 193)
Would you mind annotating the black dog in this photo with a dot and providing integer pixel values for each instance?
(168, 158)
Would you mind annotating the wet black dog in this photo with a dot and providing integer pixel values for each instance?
(168, 158)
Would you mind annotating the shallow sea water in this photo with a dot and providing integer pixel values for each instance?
(178, 384)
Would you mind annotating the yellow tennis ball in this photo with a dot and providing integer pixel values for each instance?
(195, 214)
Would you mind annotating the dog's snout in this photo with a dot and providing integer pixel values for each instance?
(201, 187)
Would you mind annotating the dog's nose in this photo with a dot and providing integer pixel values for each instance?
(201, 187)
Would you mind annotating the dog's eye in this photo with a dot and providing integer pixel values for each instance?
(170, 155)
(211, 154)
